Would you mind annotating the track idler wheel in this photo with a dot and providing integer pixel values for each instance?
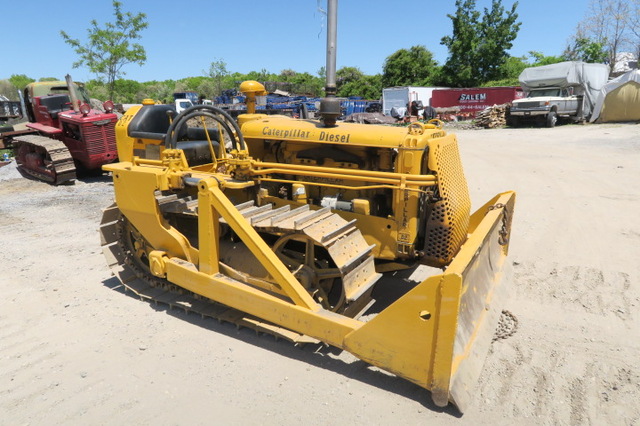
(311, 264)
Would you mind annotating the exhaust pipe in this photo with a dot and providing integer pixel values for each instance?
(73, 96)
(330, 105)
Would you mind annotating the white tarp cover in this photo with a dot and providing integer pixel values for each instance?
(590, 77)
(619, 99)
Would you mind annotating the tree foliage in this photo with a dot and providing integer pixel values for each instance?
(109, 48)
(539, 59)
(217, 72)
(498, 30)
(305, 83)
(515, 65)
(409, 67)
(367, 87)
(20, 81)
(322, 73)
(353, 82)
(287, 74)
(479, 43)
(346, 75)
(587, 50)
(610, 27)
(633, 21)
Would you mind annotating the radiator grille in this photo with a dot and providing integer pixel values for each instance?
(448, 222)
(527, 105)
(99, 139)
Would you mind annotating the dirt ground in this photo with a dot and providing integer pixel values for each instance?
(75, 351)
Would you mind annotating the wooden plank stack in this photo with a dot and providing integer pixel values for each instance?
(492, 117)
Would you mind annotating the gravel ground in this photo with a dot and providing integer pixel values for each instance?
(74, 350)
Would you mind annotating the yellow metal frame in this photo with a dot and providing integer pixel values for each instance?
(426, 351)
(436, 335)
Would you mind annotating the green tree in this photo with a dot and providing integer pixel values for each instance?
(20, 81)
(109, 48)
(540, 59)
(96, 89)
(409, 67)
(286, 75)
(127, 91)
(180, 86)
(350, 81)
(498, 30)
(587, 50)
(515, 65)
(158, 90)
(615, 24)
(261, 76)
(368, 87)
(512, 68)
(459, 69)
(206, 89)
(479, 43)
(346, 75)
(307, 84)
(192, 83)
(218, 72)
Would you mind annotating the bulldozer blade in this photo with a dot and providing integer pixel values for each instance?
(438, 334)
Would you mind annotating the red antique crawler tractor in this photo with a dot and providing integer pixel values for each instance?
(67, 135)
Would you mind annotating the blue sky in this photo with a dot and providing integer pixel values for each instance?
(184, 37)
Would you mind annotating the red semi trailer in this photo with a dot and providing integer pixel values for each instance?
(471, 101)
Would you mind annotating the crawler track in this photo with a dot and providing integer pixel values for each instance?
(44, 158)
(352, 262)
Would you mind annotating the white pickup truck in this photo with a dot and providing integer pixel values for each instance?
(545, 105)
(563, 90)
(182, 104)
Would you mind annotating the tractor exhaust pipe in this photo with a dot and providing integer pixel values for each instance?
(330, 105)
(72, 93)
(332, 37)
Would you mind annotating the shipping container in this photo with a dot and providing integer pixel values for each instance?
(471, 101)
(401, 97)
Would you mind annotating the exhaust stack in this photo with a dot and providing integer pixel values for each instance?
(73, 96)
(330, 105)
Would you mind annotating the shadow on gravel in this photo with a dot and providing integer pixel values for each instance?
(85, 177)
(318, 355)
(95, 178)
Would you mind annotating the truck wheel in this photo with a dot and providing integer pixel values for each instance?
(552, 119)
(513, 121)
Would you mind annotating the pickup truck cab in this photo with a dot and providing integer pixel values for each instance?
(545, 105)
(182, 104)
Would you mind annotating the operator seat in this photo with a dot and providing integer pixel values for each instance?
(153, 121)
(56, 104)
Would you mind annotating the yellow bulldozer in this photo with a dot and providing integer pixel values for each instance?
(286, 225)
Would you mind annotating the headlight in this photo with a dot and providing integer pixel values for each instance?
(85, 109)
(108, 106)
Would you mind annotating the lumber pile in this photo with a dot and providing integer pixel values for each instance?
(492, 117)
(447, 113)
